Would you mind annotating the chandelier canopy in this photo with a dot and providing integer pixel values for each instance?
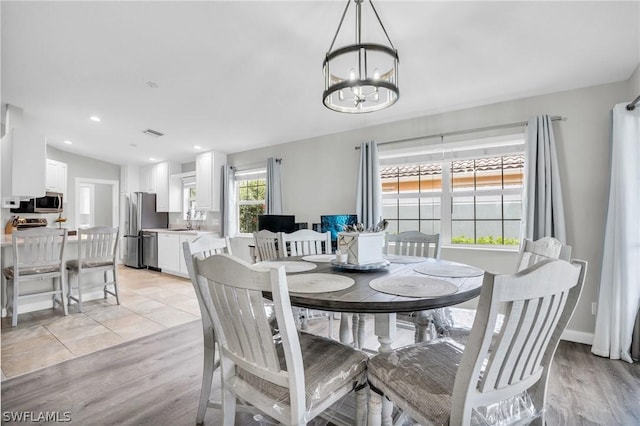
(360, 77)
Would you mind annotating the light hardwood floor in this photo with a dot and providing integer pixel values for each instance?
(150, 302)
(155, 380)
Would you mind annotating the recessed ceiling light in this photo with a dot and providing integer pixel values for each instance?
(152, 84)
(197, 147)
(94, 118)
(68, 142)
(152, 159)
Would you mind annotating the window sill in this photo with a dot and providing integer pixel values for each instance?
(250, 236)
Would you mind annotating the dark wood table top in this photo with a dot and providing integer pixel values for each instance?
(360, 298)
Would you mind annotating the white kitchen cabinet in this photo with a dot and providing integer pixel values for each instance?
(56, 177)
(183, 265)
(24, 163)
(170, 253)
(168, 249)
(209, 180)
(168, 189)
(148, 179)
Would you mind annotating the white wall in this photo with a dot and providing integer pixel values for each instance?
(319, 174)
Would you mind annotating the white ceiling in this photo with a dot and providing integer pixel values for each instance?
(237, 75)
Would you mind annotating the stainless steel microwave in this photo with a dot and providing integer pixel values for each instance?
(50, 203)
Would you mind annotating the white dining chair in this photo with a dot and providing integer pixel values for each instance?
(545, 248)
(447, 321)
(202, 247)
(439, 383)
(38, 254)
(307, 242)
(304, 242)
(291, 379)
(97, 249)
(266, 245)
(415, 243)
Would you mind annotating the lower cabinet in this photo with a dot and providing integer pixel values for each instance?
(170, 254)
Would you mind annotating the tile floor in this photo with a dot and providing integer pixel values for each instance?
(149, 302)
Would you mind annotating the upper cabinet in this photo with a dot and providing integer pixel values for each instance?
(24, 156)
(168, 188)
(56, 177)
(209, 180)
(148, 181)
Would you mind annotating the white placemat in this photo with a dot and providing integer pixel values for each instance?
(399, 258)
(444, 268)
(289, 265)
(413, 286)
(318, 283)
(320, 258)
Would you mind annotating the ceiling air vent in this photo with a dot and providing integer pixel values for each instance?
(152, 132)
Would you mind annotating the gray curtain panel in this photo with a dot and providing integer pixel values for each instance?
(274, 186)
(228, 201)
(543, 209)
(369, 192)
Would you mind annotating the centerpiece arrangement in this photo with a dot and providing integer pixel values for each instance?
(362, 245)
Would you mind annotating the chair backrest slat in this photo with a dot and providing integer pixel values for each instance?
(304, 242)
(413, 243)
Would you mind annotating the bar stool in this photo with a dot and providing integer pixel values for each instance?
(37, 255)
(97, 248)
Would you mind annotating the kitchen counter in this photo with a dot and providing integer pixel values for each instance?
(181, 232)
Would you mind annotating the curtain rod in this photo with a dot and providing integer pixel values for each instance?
(633, 104)
(462, 132)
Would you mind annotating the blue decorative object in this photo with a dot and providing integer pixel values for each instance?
(336, 222)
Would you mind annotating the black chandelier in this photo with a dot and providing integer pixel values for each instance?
(360, 77)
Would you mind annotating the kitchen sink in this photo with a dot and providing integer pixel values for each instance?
(182, 229)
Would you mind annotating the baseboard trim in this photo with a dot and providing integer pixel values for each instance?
(578, 337)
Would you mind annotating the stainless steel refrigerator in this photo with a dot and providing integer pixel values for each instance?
(140, 213)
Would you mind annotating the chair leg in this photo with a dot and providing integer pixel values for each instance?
(14, 302)
(115, 283)
(361, 405)
(374, 415)
(358, 330)
(421, 321)
(80, 308)
(63, 293)
(344, 329)
(361, 330)
(387, 412)
(228, 407)
(207, 375)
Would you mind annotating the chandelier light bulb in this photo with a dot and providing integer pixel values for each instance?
(352, 74)
(376, 75)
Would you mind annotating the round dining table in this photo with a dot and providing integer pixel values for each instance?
(361, 298)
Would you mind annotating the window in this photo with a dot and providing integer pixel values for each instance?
(250, 190)
(466, 197)
(189, 211)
